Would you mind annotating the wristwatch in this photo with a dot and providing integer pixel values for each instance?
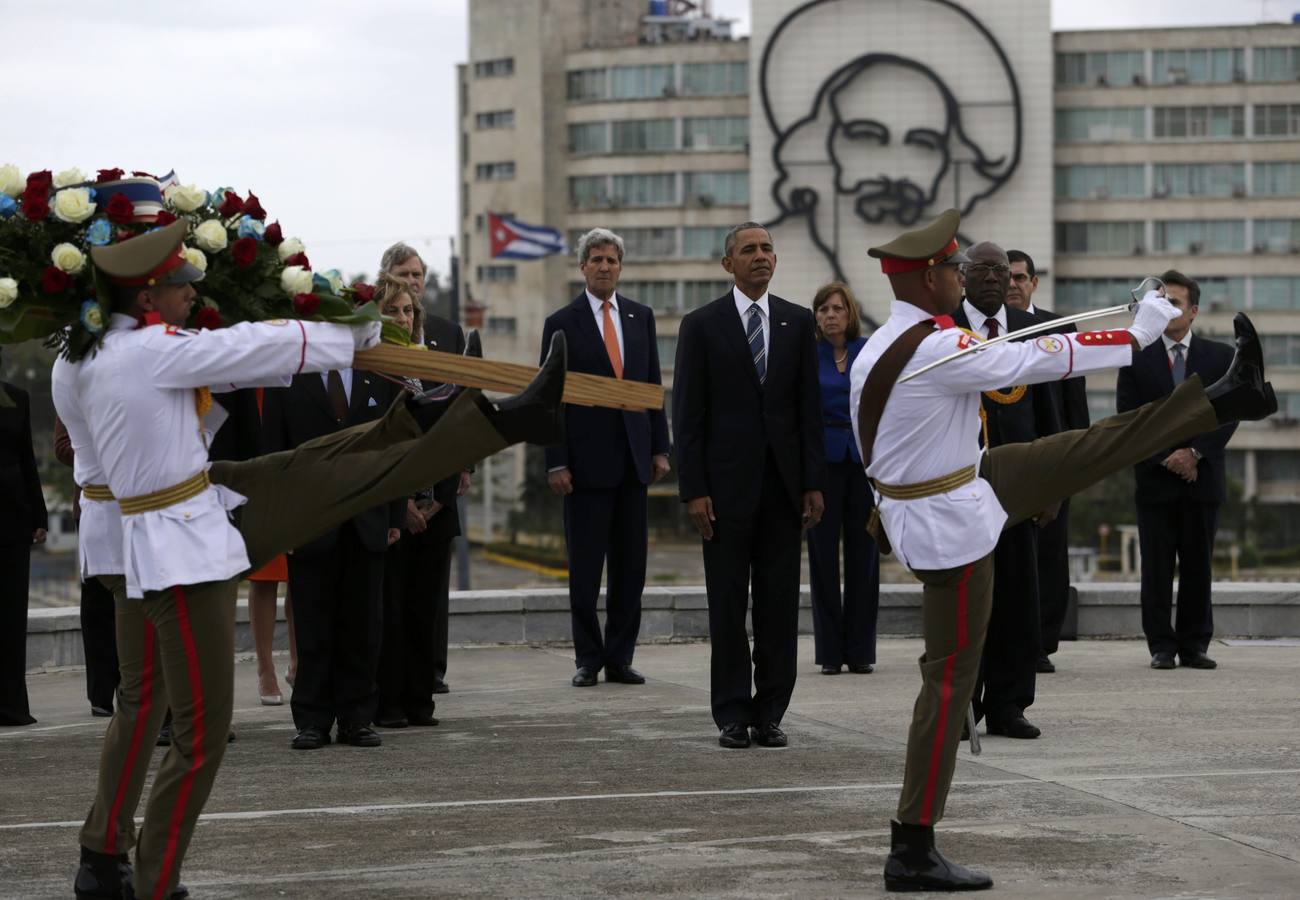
(1196, 453)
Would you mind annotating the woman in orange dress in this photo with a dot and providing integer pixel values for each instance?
(264, 584)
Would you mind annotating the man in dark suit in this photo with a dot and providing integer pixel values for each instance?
(336, 580)
(1071, 399)
(608, 459)
(751, 464)
(1178, 491)
(1012, 415)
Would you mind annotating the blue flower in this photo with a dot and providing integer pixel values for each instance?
(99, 233)
(92, 317)
(7, 206)
(250, 228)
(320, 282)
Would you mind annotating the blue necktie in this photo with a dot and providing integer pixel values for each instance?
(1180, 364)
(754, 332)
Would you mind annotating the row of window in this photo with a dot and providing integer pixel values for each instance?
(1130, 123)
(495, 171)
(653, 82)
(1130, 180)
(661, 189)
(500, 118)
(1199, 65)
(495, 68)
(1230, 292)
(670, 242)
(671, 297)
(649, 135)
(1129, 238)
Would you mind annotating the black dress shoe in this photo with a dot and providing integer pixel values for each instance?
(769, 734)
(830, 670)
(103, 875)
(584, 677)
(915, 864)
(392, 722)
(1045, 666)
(535, 414)
(861, 668)
(1242, 394)
(310, 738)
(1015, 727)
(474, 345)
(359, 736)
(1162, 659)
(1196, 660)
(101, 712)
(164, 735)
(624, 675)
(440, 687)
(734, 736)
(422, 719)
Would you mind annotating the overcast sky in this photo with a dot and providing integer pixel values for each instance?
(339, 114)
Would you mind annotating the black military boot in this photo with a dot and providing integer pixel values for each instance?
(103, 875)
(535, 414)
(474, 345)
(915, 865)
(1242, 394)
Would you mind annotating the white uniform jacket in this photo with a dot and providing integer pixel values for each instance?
(138, 395)
(931, 427)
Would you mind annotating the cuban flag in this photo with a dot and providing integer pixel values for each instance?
(515, 240)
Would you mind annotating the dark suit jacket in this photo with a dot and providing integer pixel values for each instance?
(1035, 415)
(240, 436)
(445, 336)
(1072, 393)
(1149, 378)
(598, 442)
(725, 422)
(301, 412)
(20, 483)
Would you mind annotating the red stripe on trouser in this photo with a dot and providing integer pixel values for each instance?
(187, 783)
(945, 701)
(137, 739)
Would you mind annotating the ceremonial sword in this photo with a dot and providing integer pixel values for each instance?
(1049, 326)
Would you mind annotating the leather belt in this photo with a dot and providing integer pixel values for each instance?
(177, 493)
(941, 485)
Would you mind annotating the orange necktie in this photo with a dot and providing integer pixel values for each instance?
(611, 342)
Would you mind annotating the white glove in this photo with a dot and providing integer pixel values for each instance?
(1153, 315)
(366, 336)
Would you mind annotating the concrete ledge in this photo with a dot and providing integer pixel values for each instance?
(1241, 609)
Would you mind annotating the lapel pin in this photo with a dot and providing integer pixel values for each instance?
(782, 323)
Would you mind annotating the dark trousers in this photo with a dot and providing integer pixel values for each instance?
(1008, 669)
(338, 619)
(1180, 532)
(99, 642)
(1054, 578)
(759, 553)
(606, 527)
(844, 627)
(15, 573)
(416, 574)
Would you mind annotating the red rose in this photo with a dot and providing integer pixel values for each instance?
(164, 218)
(207, 317)
(274, 236)
(253, 208)
(306, 304)
(40, 181)
(244, 252)
(231, 206)
(36, 204)
(120, 211)
(54, 281)
(364, 292)
(109, 175)
(298, 259)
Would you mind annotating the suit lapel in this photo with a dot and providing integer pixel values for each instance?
(314, 385)
(778, 344)
(586, 323)
(1160, 363)
(733, 334)
(361, 392)
(634, 341)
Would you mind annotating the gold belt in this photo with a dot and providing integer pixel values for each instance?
(941, 485)
(97, 492)
(177, 493)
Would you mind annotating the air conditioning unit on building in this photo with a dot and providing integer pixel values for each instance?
(1261, 248)
(1139, 250)
(1238, 75)
(1295, 248)
(669, 91)
(1103, 81)
(1160, 191)
(703, 200)
(1138, 79)
(1195, 248)
(1238, 190)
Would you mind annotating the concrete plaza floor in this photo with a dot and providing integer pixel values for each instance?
(1145, 784)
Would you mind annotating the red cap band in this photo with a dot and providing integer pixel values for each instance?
(171, 263)
(892, 265)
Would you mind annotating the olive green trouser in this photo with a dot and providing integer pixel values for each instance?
(176, 647)
(955, 603)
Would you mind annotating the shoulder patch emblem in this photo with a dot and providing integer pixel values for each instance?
(1050, 344)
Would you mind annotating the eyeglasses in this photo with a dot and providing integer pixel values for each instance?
(980, 270)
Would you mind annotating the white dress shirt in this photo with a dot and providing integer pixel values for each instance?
(138, 394)
(979, 322)
(743, 305)
(598, 310)
(931, 428)
(1169, 342)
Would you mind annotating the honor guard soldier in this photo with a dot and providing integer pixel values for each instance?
(943, 502)
(140, 400)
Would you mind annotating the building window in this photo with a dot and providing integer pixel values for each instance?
(588, 191)
(1120, 123)
(1277, 179)
(1198, 66)
(641, 82)
(496, 274)
(1100, 182)
(501, 118)
(589, 137)
(644, 135)
(704, 79)
(1114, 68)
(1199, 121)
(1276, 63)
(498, 171)
(1277, 120)
(715, 133)
(1101, 404)
(1101, 238)
(667, 350)
(495, 68)
(586, 84)
(1277, 235)
(697, 293)
(1281, 350)
(502, 326)
(1225, 293)
(1079, 294)
(1193, 237)
(1275, 292)
(1199, 180)
(661, 296)
(650, 243)
(704, 243)
(645, 190)
(717, 188)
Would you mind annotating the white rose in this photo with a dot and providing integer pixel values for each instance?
(185, 197)
(211, 236)
(69, 176)
(335, 278)
(289, 248)
(73, 205)
(11, 181)
(8, 291)
(68, 258)
(295, 280)
(195, 257)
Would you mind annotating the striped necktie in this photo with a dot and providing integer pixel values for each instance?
(754, 332)
(1179, 367)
